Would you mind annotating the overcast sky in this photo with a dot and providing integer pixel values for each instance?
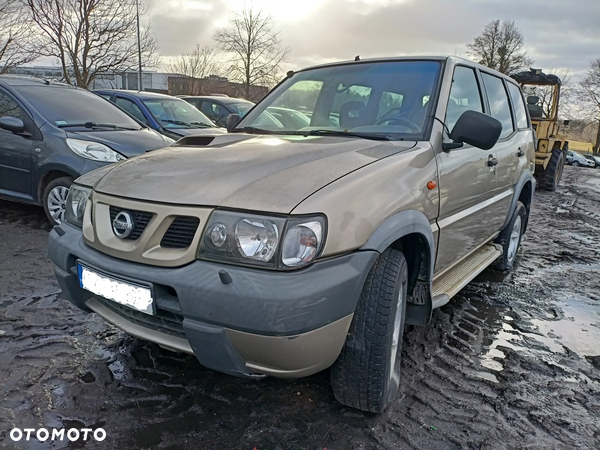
(558, 33)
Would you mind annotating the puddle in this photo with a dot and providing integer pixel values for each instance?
(579, 330)
(576, 328)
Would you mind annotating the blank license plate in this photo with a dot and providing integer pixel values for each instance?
(128, 294)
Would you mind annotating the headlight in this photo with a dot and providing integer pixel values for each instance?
(94, 151)
(264, 241)
(76, 203)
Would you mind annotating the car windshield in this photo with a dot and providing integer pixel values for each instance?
(376, 98)
(68, 106)
(176, 113)
(241, 108)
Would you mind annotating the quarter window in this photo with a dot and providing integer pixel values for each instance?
(519, 105)
(499, 106)
(8, 107)
(464, 95)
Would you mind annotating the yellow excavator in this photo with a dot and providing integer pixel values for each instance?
(551, 151)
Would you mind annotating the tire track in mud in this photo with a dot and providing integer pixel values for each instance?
(490, 371)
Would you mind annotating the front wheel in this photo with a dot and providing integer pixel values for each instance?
(576, 163)
(55, 199)
(551, 176)
(366, 375)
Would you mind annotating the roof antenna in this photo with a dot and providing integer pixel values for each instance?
(357, 58)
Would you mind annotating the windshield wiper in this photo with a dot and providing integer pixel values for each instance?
(203, 125)
(254, 130)
(176, 122)
(374, 136)
(95, 125)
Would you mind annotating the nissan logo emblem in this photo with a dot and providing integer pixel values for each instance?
(122, 225)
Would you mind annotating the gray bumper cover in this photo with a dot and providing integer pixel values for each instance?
(257, 301)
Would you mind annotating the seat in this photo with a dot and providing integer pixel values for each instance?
(535, 110)
(352, 114)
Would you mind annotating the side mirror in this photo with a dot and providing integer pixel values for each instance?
(476, 129)
(232, 121)
(12, 124)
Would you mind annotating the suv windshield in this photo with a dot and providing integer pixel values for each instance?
(69, 106)
(378, 98)
(175, 113)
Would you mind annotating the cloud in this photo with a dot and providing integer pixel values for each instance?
(557, 33)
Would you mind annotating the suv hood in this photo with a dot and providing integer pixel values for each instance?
(129, 143)
(271, 174)
(181, 132)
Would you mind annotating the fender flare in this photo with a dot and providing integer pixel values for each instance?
(399, 225)
(525, 177)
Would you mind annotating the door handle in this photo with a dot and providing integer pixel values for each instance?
(492, 162)
(520, 152)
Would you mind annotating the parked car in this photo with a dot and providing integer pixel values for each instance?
(575, 159)
(593, 158)
(218, 107)
(168, 115)
(289, 118)
(311, 246)
(51, 133)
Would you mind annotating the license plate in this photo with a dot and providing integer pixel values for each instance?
(119, 291)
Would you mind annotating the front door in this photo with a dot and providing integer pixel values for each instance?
(467, 181)
(15, 152)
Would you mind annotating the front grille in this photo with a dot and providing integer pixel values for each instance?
(164, 321)
(140, 221)
(181, 232)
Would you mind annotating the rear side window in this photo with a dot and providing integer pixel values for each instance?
(519, 105)
(464, 95)
(499, 105)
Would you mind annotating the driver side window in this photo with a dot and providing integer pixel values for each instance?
(464, 95)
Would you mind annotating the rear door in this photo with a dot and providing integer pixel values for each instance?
(15, 151)
(466, 180)
(515, 140)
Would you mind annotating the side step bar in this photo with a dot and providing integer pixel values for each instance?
(450, 283)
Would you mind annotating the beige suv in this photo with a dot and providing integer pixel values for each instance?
(284, 251)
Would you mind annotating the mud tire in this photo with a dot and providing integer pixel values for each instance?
(507, 261)
(549, 178)
(362, 375)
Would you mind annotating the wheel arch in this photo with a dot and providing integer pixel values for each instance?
(524, 190)
(52, 173)
(410, 232)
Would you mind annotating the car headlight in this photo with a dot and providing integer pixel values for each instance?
(94, 151)
(272, 242)
(76, 203)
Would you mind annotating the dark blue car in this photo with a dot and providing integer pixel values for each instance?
(168, 115)
(51, 133)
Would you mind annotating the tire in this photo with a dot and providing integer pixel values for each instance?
(576, 163)
(367, 373)
(55, 192)
(510, 239)
(551, 176)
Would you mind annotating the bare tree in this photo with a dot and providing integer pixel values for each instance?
(91, 37)
(16, 37)
(500, 47)
(196, 65)
(588, 94)
(255, 49)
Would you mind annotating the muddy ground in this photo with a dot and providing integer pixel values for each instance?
(512, 362)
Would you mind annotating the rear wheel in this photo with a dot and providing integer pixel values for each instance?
(366, 375)
(551, 176)
(510, 239)
(55, 199)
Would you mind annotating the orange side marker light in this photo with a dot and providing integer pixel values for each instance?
(431, 185)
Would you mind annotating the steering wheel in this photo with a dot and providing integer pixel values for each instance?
(396, 118)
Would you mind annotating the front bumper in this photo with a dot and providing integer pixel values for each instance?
(286, 324)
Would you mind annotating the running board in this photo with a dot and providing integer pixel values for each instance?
(451, 282)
